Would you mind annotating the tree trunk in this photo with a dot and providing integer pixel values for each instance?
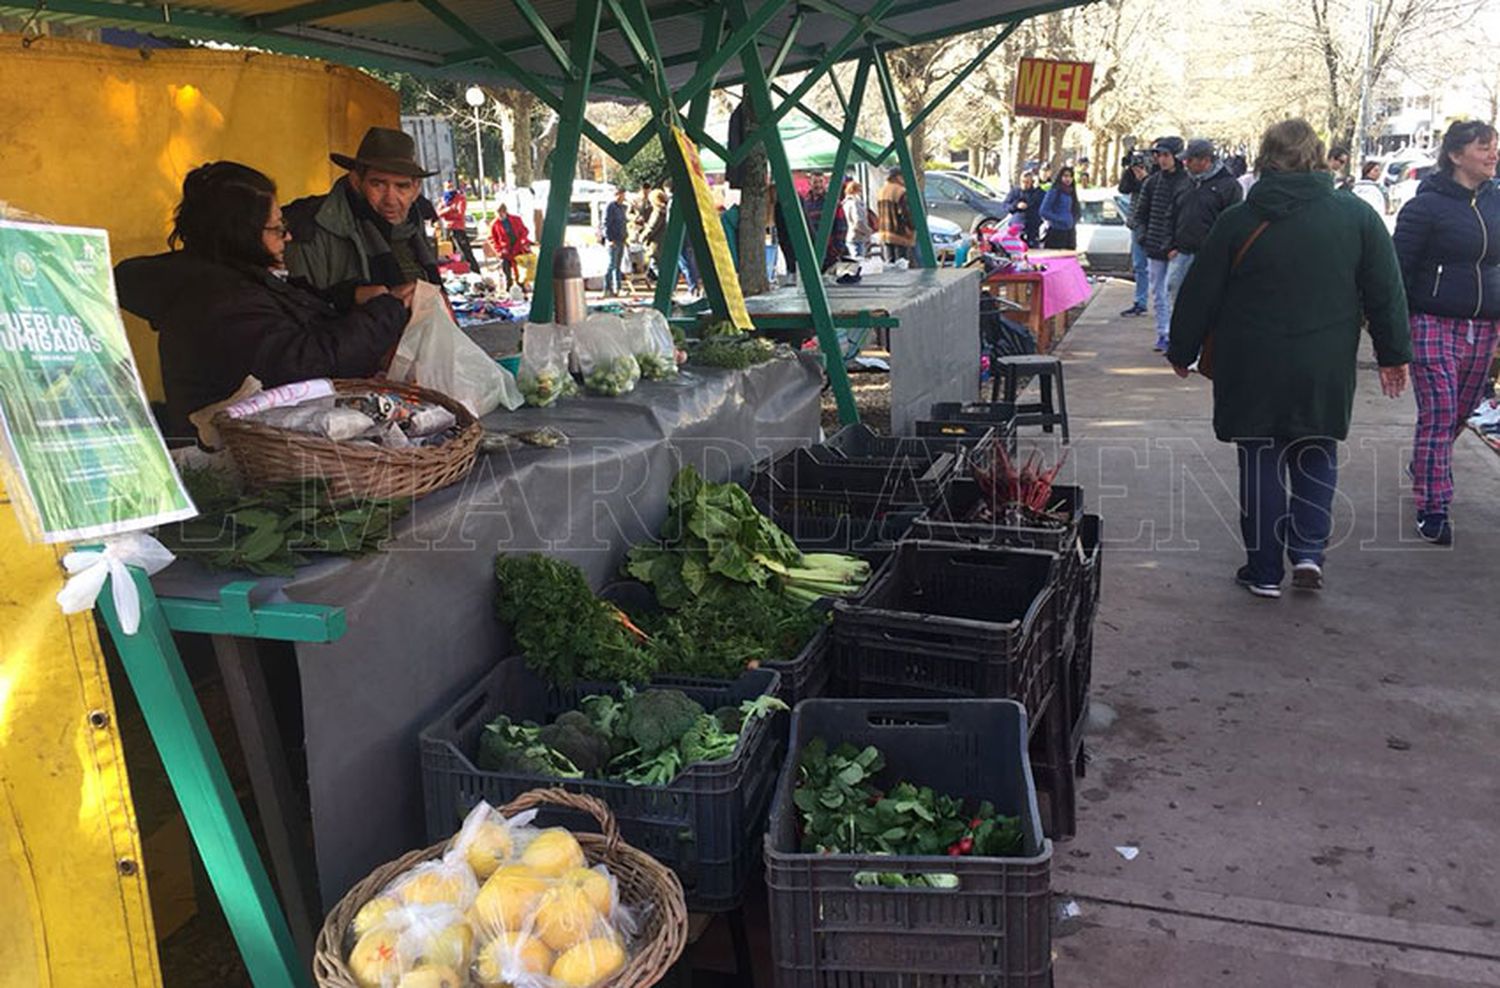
(754, 217)
(520, 105)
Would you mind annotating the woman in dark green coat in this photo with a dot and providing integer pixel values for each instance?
(1283, 284)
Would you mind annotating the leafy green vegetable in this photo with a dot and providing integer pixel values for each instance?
(508, 747)
(719, 638)
(273, 531)
(715, 543)
(733, 354)
(642, 738)
(843, 812)
(565, 632)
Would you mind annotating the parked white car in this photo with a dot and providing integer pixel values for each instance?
(1103, 237)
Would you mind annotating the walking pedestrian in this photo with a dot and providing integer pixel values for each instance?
(1211, 190)
(1061, 210)
(856, 220)
(1369, 188)
(1157, 209)
(510, 240)
(1284, 282)
(898, 233)
(1448, 239)
(1024, 206)
(616, 230)
(1137, 170)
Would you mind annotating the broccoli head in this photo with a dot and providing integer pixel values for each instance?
(576, 738)
(505, 746)
(657, 719)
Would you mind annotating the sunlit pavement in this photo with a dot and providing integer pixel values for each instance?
(1313, 783)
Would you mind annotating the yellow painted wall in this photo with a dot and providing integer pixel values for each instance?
(93, 135)
(70, 914)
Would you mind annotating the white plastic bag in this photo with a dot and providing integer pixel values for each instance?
(434, 353)
(651, 341)
(544, 376)
(602, 345)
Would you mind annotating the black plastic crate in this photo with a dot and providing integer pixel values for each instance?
(946, 520)
(804, 675)
(993, 929)
(705, 825)
(953, 621)
(859, 443)
(856, 489)
(965, 422)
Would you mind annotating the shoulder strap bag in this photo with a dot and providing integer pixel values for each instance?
(1206, 352)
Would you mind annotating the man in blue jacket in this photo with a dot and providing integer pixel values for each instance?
(616, 228)
(1024, 205)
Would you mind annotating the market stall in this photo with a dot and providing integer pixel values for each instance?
(421, 622)
(933, 320)
(1054, 284)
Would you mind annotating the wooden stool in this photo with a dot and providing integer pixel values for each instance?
(1042, 413)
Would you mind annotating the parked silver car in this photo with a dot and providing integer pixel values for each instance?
(962, 199)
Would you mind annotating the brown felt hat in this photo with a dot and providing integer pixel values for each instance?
(385, 150)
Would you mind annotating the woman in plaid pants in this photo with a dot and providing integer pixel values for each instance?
(1448, 240)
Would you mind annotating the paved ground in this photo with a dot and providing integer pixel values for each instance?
(1311, 782)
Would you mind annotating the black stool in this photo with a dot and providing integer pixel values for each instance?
(1042, 413)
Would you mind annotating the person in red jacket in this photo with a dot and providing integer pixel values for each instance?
(454, 212)
(509, 239)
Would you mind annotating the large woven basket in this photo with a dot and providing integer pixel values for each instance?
(267, 455)
(646, 887)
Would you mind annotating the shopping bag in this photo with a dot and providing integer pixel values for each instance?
(434, 353)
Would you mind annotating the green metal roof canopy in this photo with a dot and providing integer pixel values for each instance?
(668, 54)
(519, 42)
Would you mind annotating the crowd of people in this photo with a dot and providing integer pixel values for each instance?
(1271, 302)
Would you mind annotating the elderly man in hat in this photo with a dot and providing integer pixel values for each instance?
(367, 232)
(1210, 191)
(897, 230)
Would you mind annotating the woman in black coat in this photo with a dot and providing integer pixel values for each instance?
(1448, 241)
(220, 312)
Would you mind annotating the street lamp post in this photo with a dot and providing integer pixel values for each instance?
(474, 96)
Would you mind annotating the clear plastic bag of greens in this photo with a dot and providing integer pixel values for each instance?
(544, 377)
(605, 356)
(651, 340)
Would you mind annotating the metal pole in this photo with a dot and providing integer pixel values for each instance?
(757, 90)
(925, 254)
(565, 154)
(479, 152)
(713, 28)
(1362, 121)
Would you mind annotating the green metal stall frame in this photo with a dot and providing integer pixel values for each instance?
(268, 943)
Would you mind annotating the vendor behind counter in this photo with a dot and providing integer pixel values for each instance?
(221, 313)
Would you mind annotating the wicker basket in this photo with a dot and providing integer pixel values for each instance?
(646, 887)
(267, 455)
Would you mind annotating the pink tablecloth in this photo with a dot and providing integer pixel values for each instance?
(1064, 285)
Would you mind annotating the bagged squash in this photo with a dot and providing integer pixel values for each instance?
(604, 355)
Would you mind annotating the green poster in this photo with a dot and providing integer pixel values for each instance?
(83, 452)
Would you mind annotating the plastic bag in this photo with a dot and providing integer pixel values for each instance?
(544, 376)
(604, 355)
(429, 946)
(434, 353)
(651, 340)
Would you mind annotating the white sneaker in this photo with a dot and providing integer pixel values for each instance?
(1307, 575)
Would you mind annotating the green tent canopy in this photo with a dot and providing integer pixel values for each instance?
(808, 147)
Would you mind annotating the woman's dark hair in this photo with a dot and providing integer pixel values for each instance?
(224, 209)
(1073, 193)
(1367, 167)
(1460, 136)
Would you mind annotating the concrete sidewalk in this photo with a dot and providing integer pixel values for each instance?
(1313, 783)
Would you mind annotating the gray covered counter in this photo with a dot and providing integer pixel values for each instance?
(935, 347)
(421, 617)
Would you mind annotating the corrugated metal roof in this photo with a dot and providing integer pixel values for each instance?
(406, 35)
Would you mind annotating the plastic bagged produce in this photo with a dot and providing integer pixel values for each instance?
(541, 916)
(544, 377)
(651, 340)
(434, 353)
(605, 356)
